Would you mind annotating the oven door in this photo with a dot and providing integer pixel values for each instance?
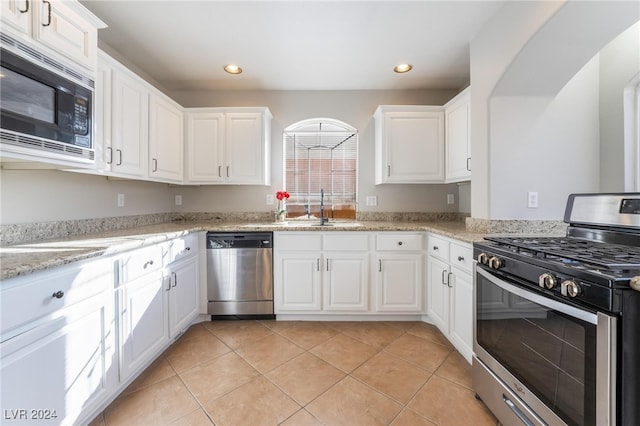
(554, 362)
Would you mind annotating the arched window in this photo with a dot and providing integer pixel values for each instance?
(321, 157)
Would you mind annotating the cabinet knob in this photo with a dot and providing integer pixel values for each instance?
(460, 258)
(399, 243)
(148, 263)
(58, 294)
(435, 248)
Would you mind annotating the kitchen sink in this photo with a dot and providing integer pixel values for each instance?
(305, 224)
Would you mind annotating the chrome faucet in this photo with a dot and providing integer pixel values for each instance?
(323, 219)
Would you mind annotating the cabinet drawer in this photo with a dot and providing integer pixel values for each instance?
(461, 257)
(140, 262)
(41, 294)
(347, 241)
(184, 246)
(399, 242)
(439, 247)
(298, 242)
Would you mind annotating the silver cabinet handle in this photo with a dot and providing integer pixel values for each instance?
(119, 152)
(155, 164)
(48, 3)
(444, 271)
(227, 171)
(460, 258)
(327, 264)
(449, 279)
(379, 265)
(147, 263)
(219, 171)
(318, 264)
(26, 9)
(175, 279)
(110, 156)
(435, 248)
(388, 170)
(468, 164)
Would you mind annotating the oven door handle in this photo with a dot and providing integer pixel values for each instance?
(586, 316)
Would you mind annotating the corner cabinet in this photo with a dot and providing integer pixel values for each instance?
(457, 138)
(450, 291)
(409, 144)
(228, 146)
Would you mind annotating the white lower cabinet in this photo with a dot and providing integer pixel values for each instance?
(158, 304)
(321, 272)
(350, 273)
(60, 365)
(450, 291)
(73, 337)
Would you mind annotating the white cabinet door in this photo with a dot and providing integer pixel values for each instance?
(399, 282)
(205, 147)
(438, 294)
(183, 296)
(409, 144)
(461, 315)
(17, 15)
(244, 151)
(297, 282)
(458, 140)
(130, 122)
(62, 29)
(144, 325)
(346, 281)
(165, 139)
(102, 116)
(56, 373)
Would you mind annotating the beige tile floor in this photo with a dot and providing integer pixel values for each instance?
(246, 373)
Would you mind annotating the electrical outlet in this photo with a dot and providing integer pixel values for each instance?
(532, 200)
(120, 200)
(450, 199)
(372, 200)
(269, 199)
(178, 200)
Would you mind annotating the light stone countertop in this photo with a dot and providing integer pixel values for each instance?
(23, 259)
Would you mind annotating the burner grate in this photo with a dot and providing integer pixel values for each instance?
(603, 255)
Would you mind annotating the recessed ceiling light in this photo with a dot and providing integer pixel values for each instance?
(232, 69)
(403, 68)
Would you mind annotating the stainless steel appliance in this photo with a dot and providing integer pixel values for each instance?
(44, 110)
(556, 336)
(240, 275)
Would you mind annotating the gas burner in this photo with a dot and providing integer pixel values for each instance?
(575, 252)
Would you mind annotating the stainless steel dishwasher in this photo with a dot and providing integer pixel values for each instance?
(240, 275)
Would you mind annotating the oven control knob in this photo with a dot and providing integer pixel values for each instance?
(495, 262)
(571, 288)
(483, 258)
(547, 281)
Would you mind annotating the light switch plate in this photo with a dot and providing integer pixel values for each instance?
(532, 200)
(120, 201)
(269, 199)
(178, 200)
(450, 199)
(372, 200)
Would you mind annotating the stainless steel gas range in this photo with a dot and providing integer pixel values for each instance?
(557, 319)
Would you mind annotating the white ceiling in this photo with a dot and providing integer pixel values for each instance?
(296, 45)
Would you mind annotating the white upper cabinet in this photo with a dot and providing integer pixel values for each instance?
(139, 130)
(165, 139)
(409, 144)
(204, 147)
(228, 145)
(457, 137)
(64, 27)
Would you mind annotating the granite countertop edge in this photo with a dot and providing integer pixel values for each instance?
(24, 259)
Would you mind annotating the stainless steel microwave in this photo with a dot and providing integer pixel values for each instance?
(41, 110)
